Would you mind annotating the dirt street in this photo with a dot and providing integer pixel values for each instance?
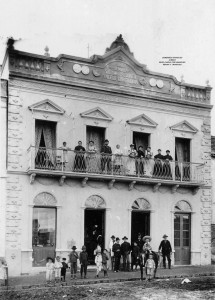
(199, 288)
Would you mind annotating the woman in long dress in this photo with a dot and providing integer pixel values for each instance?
(131, 163)
(148, 163)
(118, 160)
(91, 158)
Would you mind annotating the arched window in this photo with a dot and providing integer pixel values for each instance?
(182, 206)
(141, 204)
(95, 201)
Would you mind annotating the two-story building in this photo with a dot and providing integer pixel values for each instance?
(57, 197)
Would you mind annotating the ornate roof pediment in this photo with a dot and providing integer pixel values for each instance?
(47, 106)
(97, 113)
(184, 126)
(142, 120)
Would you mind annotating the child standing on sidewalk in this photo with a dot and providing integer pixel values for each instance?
(84, 262)
(49, 270)
(98, 262)
(3, 275)
(57, 266)
(150, 267)
(63, 269)
(73, 257)
(104, 262)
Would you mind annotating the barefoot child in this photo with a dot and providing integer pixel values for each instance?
(57, 266)
(63, 269)
(49, 270)
(104, 262)
(3, 275)
(150, 267)
(98, 262)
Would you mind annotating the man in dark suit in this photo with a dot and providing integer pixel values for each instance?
(166, 251)
(125, 251)
(117, 254)
(106, 153)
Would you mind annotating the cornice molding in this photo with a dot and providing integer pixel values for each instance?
(108, 97)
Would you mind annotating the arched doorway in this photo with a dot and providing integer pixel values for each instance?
(44, 228)
(140, 218)
(182, 232)
(94, 225)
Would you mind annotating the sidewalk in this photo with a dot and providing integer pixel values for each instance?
(32, 281)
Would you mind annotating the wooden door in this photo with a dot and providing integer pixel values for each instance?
(97, 135)
(182, 234)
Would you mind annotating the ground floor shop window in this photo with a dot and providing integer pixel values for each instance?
(43, 234)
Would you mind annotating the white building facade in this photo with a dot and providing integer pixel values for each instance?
(57, 197)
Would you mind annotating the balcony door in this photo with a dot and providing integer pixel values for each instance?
(43, 234)
(141, 139)
(97, 135)
(45, 144)
(182, 158)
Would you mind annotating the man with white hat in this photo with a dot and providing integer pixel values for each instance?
(166, 251)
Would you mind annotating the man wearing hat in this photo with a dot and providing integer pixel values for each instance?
(112, 242)
(147, 248)
(106, 153)
(167, 167)
(73, 257)
(166, 251)
(158, 168)
(125, 250)
(117, 254)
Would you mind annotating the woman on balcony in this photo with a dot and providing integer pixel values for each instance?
(148, 163)
(131, 163)
(118, 160)
(91, 158)
(79, 164)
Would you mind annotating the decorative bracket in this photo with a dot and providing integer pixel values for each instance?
(61, 181)
(131, 185)
(174, 188)
(156, 187)
(32, 178)
(195, 190)
(111, 183)
(84, 181)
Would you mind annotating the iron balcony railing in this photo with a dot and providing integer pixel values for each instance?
(66, 160)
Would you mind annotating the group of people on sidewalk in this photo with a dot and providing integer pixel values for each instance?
(141, 253)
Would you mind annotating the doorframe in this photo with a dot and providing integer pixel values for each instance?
(143, 211)
(190, 238)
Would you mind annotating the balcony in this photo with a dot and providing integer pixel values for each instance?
(64, 164)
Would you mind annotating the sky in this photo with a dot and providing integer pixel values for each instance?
(152, 28)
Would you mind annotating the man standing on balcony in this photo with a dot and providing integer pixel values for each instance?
(167, 166)
(166, 251)
(79, 164)
(106, 153)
